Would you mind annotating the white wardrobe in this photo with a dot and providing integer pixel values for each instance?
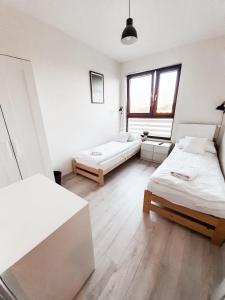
(23, 145)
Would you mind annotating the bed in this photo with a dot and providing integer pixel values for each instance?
(197, 204)
(93, 166)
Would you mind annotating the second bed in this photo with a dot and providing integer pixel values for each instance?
(198, 204)
(96, 162)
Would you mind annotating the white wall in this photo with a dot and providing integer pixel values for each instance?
(61, 68)
(202, 82)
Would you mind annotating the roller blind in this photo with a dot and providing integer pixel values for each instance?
(156, 127)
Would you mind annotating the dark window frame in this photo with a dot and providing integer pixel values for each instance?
(154, 94)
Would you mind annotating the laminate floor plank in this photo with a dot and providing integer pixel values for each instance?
(140, 256)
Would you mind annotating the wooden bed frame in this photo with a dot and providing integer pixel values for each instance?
(97, 175)
(210, 226)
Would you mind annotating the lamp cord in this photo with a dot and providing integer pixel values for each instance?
(129, 8)
(221, 125)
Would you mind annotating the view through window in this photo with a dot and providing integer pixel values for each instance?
(151, 101)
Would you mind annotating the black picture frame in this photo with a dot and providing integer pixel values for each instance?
(97, 87)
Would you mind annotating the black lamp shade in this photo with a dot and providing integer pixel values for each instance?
(221, 107)
(129, 35)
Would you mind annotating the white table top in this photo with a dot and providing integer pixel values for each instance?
(30, 211)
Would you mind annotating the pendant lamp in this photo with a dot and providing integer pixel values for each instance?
(129, 35)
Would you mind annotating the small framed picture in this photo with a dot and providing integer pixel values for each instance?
(97, 87)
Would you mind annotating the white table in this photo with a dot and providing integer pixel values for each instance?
(46, 249)
(155, 151)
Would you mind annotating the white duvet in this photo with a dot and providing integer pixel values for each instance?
(108, 151)
(209, 183)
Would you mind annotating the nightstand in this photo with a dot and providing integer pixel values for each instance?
(155, 151)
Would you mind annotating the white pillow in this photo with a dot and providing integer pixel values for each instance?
(134, 137)
(195, 145)
(122, 137)
(210, 147)
(181, 143)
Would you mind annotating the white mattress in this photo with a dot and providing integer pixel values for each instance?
(206, 193)
(112, 153)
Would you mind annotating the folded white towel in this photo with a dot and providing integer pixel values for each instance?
(96, 153)
(185, 173)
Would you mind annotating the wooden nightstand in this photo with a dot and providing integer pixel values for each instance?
(155, 151)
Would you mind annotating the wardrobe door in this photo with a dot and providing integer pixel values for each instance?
(9, 171)
(18, 109)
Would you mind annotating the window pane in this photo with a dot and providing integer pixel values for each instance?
(167, 85)
(140, 94)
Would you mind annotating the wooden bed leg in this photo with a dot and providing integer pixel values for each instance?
(74, 166)
(146, 202)
(219, 233)
(101, 177)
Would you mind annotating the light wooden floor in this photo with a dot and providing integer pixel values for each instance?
(141, 256)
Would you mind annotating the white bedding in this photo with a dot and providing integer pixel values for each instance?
(193, 202)
(111, 153)
(207, 190)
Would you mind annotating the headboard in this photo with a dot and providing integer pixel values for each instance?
(197, 130)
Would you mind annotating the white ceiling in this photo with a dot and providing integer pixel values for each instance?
(161, 24)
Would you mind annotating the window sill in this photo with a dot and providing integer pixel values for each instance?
(157, 138)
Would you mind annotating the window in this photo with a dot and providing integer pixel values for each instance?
(140, 87)
(151, 101)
